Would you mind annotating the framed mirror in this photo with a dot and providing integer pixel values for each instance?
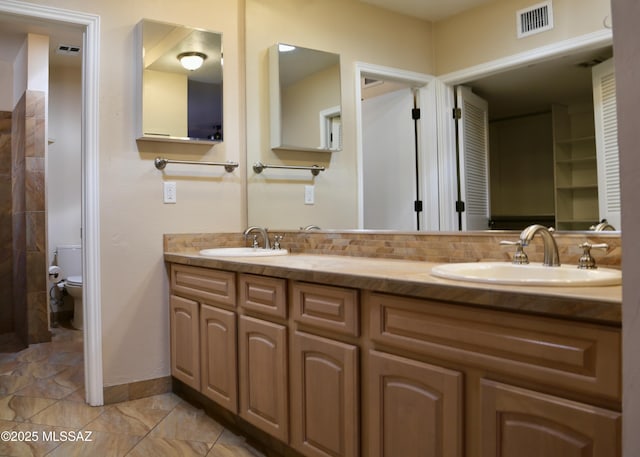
(304, 96)
(180, 83)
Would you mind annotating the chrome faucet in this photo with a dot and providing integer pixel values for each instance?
(262, 231)
(551, 256)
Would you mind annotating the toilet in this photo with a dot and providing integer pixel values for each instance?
(69, 259)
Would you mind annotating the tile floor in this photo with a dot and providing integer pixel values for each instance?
(42, 397)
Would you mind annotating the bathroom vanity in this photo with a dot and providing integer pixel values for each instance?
(350, 356)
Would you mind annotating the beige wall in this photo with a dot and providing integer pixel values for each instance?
(165, 98)
(488, 32)
(64, 171)
(356, 31)
(133, 217)
(301, 103)
(521, 183)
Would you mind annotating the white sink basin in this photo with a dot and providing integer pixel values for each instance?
(527, 275)
(242, 252)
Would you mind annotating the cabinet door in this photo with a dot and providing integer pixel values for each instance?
(415, 409)
(324, 397)
(185, 346)
(518, 422)
(263, 375)
(218, 356)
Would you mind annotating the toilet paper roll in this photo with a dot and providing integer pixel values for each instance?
(55, 273)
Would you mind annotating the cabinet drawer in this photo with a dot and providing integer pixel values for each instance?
(569, 355)
(326, 307)
(263, 294)
(213, 286)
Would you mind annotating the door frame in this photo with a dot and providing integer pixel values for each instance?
(427, 138)
(446, 102)
(90, 181)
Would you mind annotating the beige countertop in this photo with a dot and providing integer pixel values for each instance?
(413, 278)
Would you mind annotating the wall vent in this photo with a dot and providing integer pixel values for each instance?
(535, 19)
(67, 49)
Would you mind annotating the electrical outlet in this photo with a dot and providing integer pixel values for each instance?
(309, 197)
(169, 190)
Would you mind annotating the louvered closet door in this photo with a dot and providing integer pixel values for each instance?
(606, 124)
(473, 144)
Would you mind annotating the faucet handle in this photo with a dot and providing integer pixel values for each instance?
(520, 257)
(276, 241)
(586, 261)
(255, 243)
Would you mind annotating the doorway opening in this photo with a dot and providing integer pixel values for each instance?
(528, 97)
(396, 149)
(37, 19)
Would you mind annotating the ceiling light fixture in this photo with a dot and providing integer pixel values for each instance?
(191, 60)
(285, 47)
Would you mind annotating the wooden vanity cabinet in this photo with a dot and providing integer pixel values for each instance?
(526, 416)
(263, 354)
(325, 381)
(340, 372)
(203, 332)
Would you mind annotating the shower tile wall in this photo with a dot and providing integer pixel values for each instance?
(6, 224)
(35, 218)
(17, 212)
(28, 219)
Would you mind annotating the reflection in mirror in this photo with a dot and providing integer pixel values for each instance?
(545, 162)
(304, 87)
(181, 83)
(527, 172)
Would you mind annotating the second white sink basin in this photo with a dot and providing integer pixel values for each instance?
(527, 275)
(242, 252)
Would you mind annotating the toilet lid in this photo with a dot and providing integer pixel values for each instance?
(74, 280)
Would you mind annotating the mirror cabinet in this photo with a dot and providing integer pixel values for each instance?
(180, 83)
(304, 97)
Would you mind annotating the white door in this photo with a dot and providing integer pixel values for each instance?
(389, 168)
(606, 124)
(473, 159)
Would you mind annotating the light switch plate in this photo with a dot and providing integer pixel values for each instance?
(169, 191)
(309, 195)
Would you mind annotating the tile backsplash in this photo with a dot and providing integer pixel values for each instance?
(440, 247)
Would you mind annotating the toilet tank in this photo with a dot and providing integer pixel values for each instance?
(69, 259)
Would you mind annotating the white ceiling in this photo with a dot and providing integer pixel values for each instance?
(13, 29)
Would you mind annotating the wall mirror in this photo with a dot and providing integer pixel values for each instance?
(180, 83)
(304, 97)
(526, 185)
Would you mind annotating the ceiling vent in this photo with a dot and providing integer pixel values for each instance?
(535, 19)
(370, 82)
(68, 50)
